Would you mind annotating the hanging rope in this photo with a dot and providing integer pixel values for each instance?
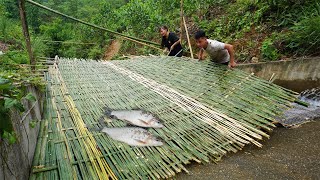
(66, 42)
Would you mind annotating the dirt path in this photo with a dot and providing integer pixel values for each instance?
(112, 50)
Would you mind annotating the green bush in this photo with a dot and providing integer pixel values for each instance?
(10, 30)
(304, 38)
(269, 51)
(14, 57)
(95, 52)
(39, 48)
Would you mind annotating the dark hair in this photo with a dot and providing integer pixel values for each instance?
(200, 34)
(163, 27)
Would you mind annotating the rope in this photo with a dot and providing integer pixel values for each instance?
(143, 44)
(66, 42)
(90, 24)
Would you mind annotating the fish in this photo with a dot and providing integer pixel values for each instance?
(133, 136)
(135, 117)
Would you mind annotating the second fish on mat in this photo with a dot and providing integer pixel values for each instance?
(133, 136)
(135, 117)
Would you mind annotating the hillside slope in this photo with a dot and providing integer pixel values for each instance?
(264, 29)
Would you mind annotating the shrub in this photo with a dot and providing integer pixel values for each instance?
(14, 57)
(269, 51)
(304, 37)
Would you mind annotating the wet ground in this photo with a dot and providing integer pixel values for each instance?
(298, 85)
(288, 154)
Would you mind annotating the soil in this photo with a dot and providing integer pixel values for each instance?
(112, 50)
(250, 44)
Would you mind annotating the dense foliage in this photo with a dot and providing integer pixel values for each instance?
(264, 29)
(13, 83)
(267, 29)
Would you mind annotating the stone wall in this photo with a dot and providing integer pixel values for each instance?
(16, 159)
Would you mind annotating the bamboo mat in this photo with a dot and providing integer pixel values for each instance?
(207, 110)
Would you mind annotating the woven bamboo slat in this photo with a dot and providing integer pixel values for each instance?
(208, 110)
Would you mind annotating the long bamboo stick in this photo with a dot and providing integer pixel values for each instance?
(187, 33)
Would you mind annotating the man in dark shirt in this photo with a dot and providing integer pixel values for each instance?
(171, 41)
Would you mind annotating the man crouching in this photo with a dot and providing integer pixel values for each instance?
(219, 52)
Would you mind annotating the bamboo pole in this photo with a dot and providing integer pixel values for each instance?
(189, 43)
(25, 31)
(181, 20)
(66, 42)
(142, 43)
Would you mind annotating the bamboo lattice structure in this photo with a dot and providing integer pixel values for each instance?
(208, 110)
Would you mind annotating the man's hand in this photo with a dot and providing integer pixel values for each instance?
(171, 48)
(165, 51)
(230, 50)
(232, 64)
(200, 55)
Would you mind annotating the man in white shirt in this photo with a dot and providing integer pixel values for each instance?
(219, 52)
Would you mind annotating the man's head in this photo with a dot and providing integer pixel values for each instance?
(163, 30)
(201, 39)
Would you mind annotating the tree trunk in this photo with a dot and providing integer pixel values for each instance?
(26, 32)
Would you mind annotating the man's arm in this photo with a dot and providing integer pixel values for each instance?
(230, 50)
(174, 44)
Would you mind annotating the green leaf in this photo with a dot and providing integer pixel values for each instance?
(5, 135)
(4, 83)
(9, 103)
(30, 97)
(33, 123)
(19, 107)
(12, 139)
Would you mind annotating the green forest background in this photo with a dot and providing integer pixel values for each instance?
(266, 29)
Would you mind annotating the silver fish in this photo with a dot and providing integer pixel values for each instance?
(133, 136)
(136, 117)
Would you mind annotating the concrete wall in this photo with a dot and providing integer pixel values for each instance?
(298, 74)
(16, 159)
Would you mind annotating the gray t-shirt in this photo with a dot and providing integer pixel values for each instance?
(217, 52)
